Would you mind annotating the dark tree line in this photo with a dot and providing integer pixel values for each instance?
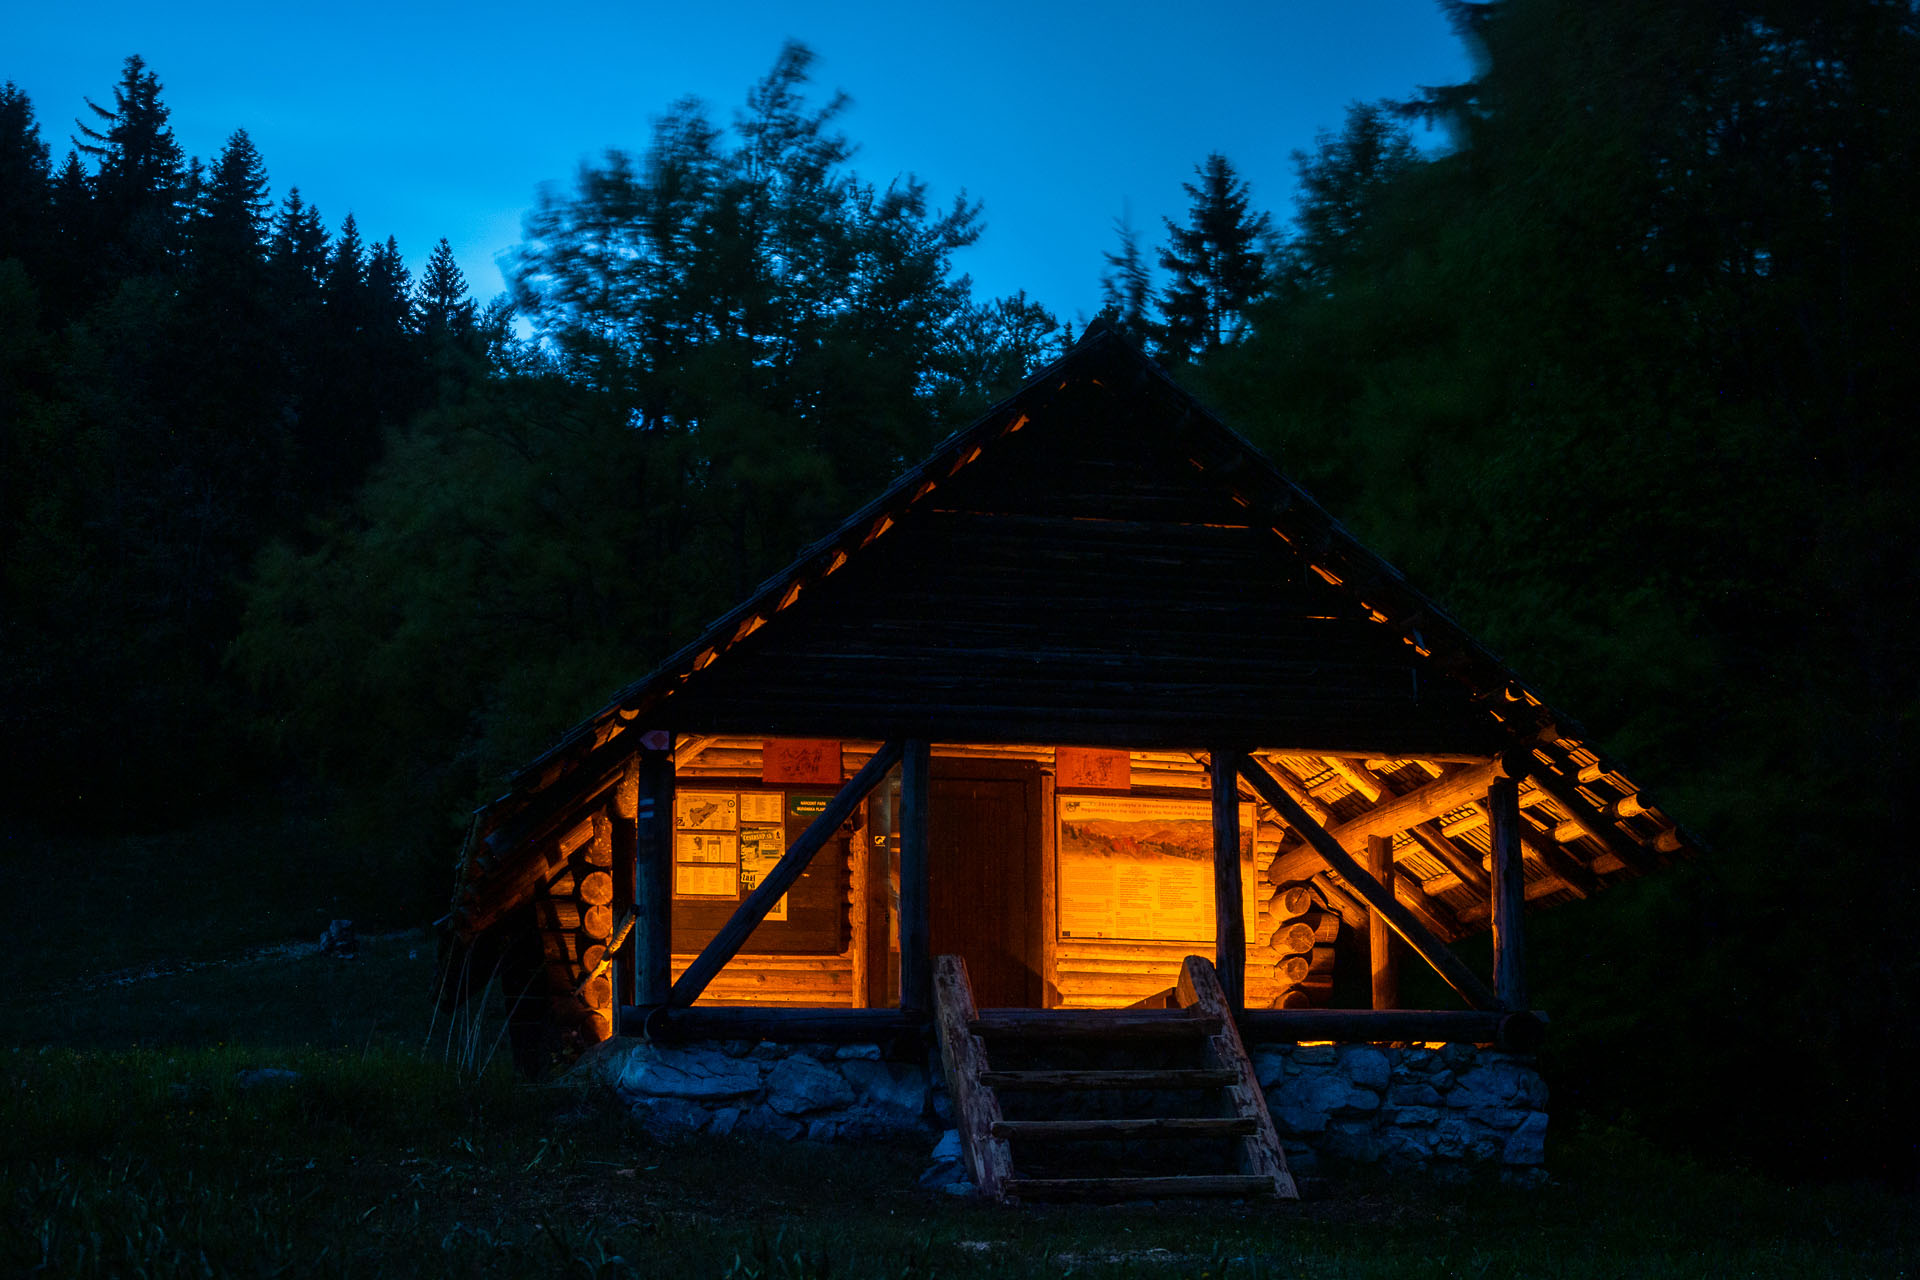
(1625, 375)
(186, 374)
(735, 340)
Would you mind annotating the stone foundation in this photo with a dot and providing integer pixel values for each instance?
(820, 1092)
(1402, 1106)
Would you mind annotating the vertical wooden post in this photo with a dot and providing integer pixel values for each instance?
(1229, 925)
(626, 857)
(1509, 893)
(1386, 967)
(916, 957)
(653, 875)
(876, 943)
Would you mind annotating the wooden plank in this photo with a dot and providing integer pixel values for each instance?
(653, 876)
(1137, 1127)
(1089, 1081)
(747, 916)
(1509, 894)
(974, 1105)
(836, 1026)
(1418, 936)
(1229, 922)
(1260, 1153)
(916, 892)
(1384, 968)
(1094, 1024)
(1158, 1188)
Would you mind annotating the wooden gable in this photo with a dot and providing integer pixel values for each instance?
(1080, 581)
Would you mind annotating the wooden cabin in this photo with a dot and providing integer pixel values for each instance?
(1090, 690)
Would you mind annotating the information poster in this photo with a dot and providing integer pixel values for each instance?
(706, 844)
(760, 850)
(1141, 868)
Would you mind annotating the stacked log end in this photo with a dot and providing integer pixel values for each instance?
(1296, 936)
(574, 915)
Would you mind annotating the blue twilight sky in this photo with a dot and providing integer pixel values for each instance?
(442, 120)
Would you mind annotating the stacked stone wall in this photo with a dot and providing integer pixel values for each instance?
(1401, 1106)
(1404, 1106)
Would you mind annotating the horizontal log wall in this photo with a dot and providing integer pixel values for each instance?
(779, 980)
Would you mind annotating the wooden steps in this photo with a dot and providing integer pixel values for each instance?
(1157, 1102)
(1105, 1024)
(1237, 1185)
(1139, 1127)
(1176, 1078)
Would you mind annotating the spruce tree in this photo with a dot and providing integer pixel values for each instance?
(441, 305)
(230, 217)
(298, 249)
(388, 283)
(1126, 286)
(1217, 262)
(25, 178)
(1341, 184)
(142, 176)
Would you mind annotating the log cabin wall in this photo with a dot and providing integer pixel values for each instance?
(1290, 929)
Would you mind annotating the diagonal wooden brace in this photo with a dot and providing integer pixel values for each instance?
(747, 916)
(1429, 948)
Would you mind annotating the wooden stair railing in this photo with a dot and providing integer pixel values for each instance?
(1200, 1029)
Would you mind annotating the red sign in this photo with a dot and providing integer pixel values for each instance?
(1092, 769)
(807, 761)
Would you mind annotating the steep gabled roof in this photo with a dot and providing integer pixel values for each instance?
(1098, 559)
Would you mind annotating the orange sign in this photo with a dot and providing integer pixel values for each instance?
(807, 761)
(1092, 769)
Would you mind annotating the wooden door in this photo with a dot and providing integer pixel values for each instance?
(983, 846)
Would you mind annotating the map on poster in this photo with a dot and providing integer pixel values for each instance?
(706, 810)
(760, 849)
(1141, 868)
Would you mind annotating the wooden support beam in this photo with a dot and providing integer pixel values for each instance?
(1391, 817)
(1229, 924)
(1435, 952)
(747, 916)
(1386, 974)
(1563, 866)
(1357, 777)
(653, 876)
(1509, 894)
(1449, 855)
(916, 925)
(1591, 820)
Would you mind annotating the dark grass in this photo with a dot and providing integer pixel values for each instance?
(162, 1163)
(129, 1145)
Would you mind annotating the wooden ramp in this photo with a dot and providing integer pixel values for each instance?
(1107, 1104)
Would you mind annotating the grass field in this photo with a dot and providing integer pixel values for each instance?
(135, 1142)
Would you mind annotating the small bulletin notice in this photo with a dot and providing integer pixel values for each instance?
(725, 843)
(1141, 868)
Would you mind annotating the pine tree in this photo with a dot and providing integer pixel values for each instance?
(388, 283)
(1341, 184)
(230, 217)
(346, 274)
(1126, 287)
(1217, 261)
(25, 178)
(142, 177)
(441, 305)
(298, 250)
